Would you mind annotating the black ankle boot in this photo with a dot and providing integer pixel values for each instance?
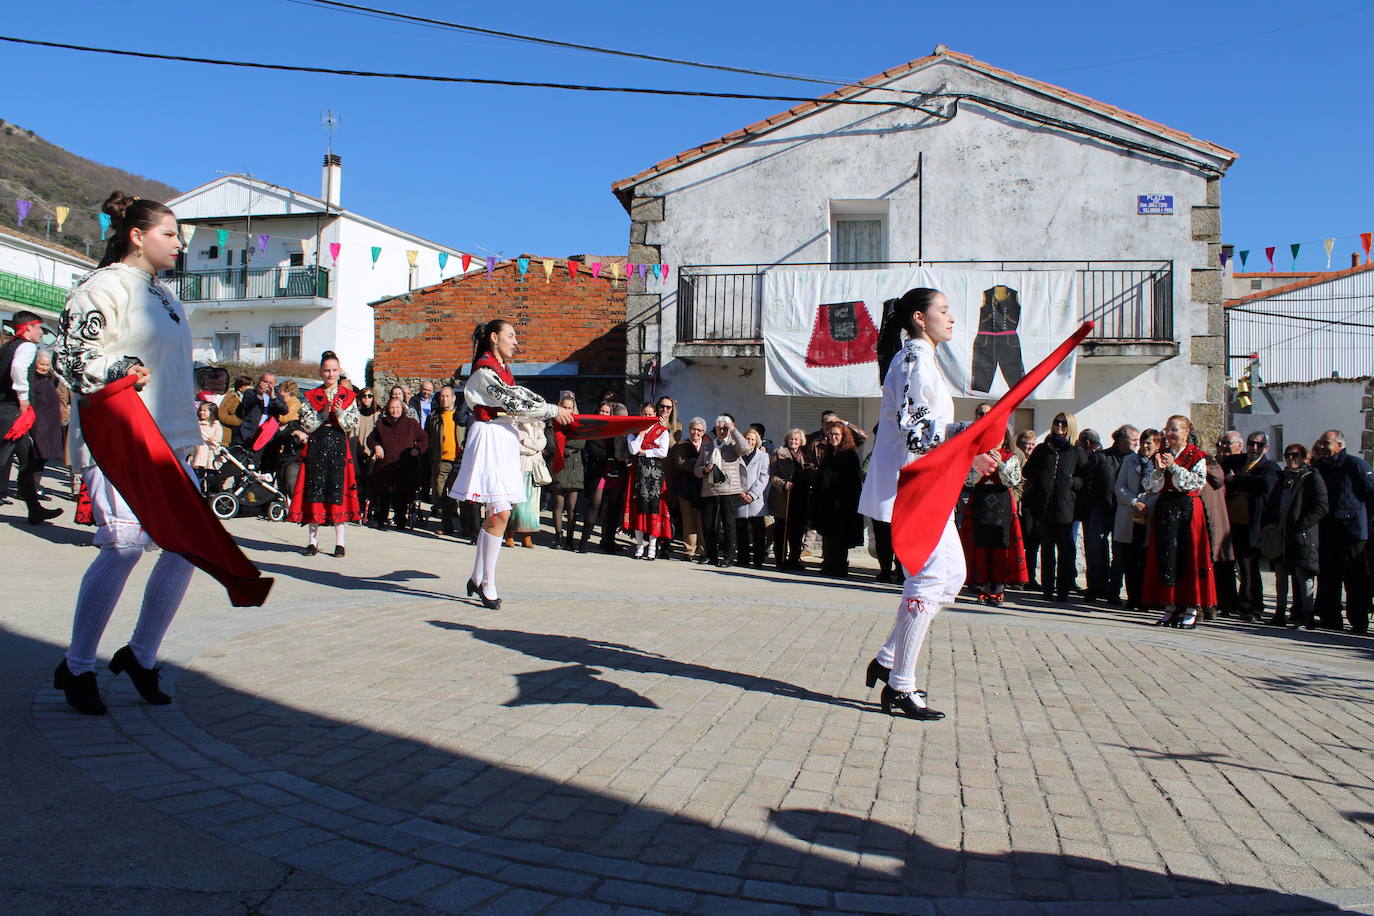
(83, 694)
(145, 679)
(903, 704)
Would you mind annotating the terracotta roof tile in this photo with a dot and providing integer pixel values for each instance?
(973, 63)
(1323, 277)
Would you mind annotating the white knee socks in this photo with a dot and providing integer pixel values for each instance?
(166, 587)
(639, 544)
(903, 646)
(488, 558)
(101, 587)
(100, 590)
(339, 534)
(314, 534)
(653, 546)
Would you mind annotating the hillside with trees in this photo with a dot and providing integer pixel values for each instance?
(33, 169)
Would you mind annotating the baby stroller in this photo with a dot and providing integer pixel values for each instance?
(235, 487)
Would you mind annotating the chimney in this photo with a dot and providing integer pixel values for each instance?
(1354, 259)
(331, 179)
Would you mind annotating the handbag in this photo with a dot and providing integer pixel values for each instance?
(1271, 541)
(539, 472)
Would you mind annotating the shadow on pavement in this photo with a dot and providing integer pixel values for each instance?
(520, 815)
(340, 577)
(581, 651)
(1226, 760)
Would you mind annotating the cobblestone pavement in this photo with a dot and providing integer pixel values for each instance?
(680, 738)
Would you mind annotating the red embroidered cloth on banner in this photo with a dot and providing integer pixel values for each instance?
(928, 487)
(130, 450)
(594, 426)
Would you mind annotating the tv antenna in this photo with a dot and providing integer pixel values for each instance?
(330, 122)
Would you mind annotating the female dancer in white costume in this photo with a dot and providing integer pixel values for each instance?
(917, 415)
(491, 471)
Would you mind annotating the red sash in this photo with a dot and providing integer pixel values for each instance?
(928, 487)
(133, 455)
(595, 426)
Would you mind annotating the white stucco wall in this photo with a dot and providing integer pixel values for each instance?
(343, 320)
(994, 188)
(33, 260)
(1308, 409)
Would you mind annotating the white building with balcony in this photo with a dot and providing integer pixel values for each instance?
(956, 163)
(272, 273)
(37, 277)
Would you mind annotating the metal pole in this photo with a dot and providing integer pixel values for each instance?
(920, 205)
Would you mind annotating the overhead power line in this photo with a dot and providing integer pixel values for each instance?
(295, 68)
(552, 42)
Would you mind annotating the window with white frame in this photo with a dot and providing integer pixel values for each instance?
(858, 234)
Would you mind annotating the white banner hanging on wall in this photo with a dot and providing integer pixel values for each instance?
(820, 328)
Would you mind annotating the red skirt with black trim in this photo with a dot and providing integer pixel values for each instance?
(1194, 584)
(316, 513)
(994, 565)
(656, 524)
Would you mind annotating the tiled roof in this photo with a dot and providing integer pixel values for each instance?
(1323, 277)
(875, 81)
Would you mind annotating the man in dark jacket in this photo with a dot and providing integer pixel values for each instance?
(1343, 533)
(254, 408)
(1125, 441)
(1053, 478)
(1250, 486)
(446, 437)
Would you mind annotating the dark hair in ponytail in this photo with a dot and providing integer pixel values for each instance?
(126, 214)
(327, 355)
(898, 317)
(481, 337)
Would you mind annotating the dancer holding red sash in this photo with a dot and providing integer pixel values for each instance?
(491, 473)
(646, 494)
(122, 322)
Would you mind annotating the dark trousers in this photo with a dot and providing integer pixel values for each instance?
(750, 540)
(24, 455)
(1097, 540)
(1224, 574)
(835, 555)
(445, 506)
(882, 546)
(1058, 559)
(286, 478)
(718, 524)
(1133, 566)
(787, 540)
(1341, 563)
(994, 351)
(1294, 587)
(1250, 595)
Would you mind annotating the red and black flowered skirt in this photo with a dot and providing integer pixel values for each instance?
(1194, 585)
(327, 487)
(646, 504)
(994, 565)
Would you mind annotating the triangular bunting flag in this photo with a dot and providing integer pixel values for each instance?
(376, 253)
(412, 255)
(467, 262)
(23, 206)
(1244, 256)
(62, 214)
(1269, 253)
(1294, 249)
(548, 269)
(1328, 244)
(223, 236)
(443, 261)
(572, 271)
(334, 249)
(1365, 239)
(522, 265)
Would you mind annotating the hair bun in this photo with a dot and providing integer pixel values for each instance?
(115, 206)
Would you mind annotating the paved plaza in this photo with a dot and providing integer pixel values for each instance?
(626, 736)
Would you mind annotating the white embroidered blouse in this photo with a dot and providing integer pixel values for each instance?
(119, 317)
(1186, 480)
(917, 414)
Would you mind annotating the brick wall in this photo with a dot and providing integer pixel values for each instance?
(427, 334)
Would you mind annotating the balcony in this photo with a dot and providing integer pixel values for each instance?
(32, 293)
(719, 307)
(237, 284)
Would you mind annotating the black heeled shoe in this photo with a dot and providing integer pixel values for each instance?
(83, 694)
(145, 679)
(473, 588)
(876, 672)
(492, 603)
(310, 550)
(339, 552)
(905, 705)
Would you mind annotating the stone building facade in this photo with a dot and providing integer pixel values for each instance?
(965, 164)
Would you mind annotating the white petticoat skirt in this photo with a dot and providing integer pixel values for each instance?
(490, 472)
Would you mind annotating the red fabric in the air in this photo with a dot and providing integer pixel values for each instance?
(928, 487)
(594, 426)
(133, 455)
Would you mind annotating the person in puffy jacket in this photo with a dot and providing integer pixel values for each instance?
(752, 503)
(1053, 477)
(720, 469)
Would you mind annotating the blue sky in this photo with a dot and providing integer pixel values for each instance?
(512, 170)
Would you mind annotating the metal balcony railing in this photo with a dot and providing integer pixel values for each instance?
(35, 293)
(241, 283)
(1129, 300)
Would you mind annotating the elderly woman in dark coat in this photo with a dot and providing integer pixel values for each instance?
(396, 444)
(1302, 503)
(47, 413)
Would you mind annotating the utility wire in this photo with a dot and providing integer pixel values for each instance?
(447, 79)
(534, 39)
